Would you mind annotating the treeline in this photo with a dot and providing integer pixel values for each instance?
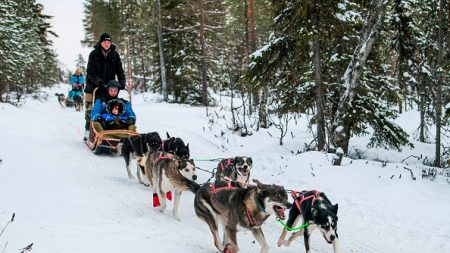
(352, 65)
(27, 60)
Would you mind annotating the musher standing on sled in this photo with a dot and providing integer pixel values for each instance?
(104, 64)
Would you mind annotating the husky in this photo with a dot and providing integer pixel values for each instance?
(234, 169)
(239, 209)
(78, 102)
(168, 173)
(315, 210)
(176, 146)
(136, 147)
(61, 99)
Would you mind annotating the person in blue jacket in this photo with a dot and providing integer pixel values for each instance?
(110, 112)
(77, 82)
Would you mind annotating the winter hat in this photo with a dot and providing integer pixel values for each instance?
(113, 84)
(104, 36)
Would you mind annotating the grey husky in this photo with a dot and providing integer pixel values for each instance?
(239, 209)
(167, 173)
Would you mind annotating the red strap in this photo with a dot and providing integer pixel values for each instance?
(299, 198)
(250, 217)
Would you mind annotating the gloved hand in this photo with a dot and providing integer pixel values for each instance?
(98, 118)
(131, 121)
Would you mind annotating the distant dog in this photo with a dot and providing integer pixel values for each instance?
(176, 146)
(78, 102)
(315, 209)
(61, 99)
(234, 169)
(136, 147)
(239, 209)
(168, 173)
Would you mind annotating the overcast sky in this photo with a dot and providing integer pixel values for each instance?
(67, 24)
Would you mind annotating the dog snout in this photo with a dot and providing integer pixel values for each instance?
(332, 237)
(194, 177)
(245, 166)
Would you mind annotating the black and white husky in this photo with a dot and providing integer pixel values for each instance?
(234, 169)
(137, 147)
(168, 173)
(315, 210)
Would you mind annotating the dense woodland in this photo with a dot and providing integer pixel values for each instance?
(351, 66)
(27, 59)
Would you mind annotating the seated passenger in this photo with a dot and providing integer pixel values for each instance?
(111, 112)
(77, 82)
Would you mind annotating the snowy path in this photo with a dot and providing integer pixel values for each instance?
(67, 199)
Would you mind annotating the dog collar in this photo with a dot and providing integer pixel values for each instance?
(260, 206)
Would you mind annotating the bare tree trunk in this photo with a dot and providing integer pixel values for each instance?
(162, 63)
(251, 26)
(203, 52)
(341, 128)
(439, 84)
(319, 99)
(262, 110)
(422, 116)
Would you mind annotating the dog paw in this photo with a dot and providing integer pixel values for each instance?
(280, 243)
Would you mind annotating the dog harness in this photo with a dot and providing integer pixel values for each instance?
(228, 187)
(162, 156)
(299, 197)
(226, 163)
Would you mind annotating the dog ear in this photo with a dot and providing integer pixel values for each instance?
(314, 212)
(335, 209)
(187, 146)
(168, 136)
(258, 184)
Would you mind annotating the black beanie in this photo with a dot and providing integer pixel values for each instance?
(103, 37)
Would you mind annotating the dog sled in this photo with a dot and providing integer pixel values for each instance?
(107, 141)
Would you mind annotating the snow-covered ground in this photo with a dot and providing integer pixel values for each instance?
(66, 199)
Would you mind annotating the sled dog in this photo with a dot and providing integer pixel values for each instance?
(168, 173)
(239, 209)
(315, 209)
(176, 146)
(136, 147)
(234, 169)
(61, 99)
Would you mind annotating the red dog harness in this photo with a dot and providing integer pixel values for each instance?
(299, 197)
(162, 156)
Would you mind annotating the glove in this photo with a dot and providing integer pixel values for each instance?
(131, 121)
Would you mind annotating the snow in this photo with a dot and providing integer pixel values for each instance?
(66, 199)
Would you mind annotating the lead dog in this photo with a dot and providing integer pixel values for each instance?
(239, 209)
(61, 99)
(234, 169)
(315, 209)
(136, 147)
(168, 174)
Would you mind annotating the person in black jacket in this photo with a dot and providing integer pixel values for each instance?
(104, 64)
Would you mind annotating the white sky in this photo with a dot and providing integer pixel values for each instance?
(67, 24)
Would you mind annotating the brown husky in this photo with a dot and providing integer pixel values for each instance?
(239, 209)
(167, 173)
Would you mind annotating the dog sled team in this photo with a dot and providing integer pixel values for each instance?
(232, 202)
